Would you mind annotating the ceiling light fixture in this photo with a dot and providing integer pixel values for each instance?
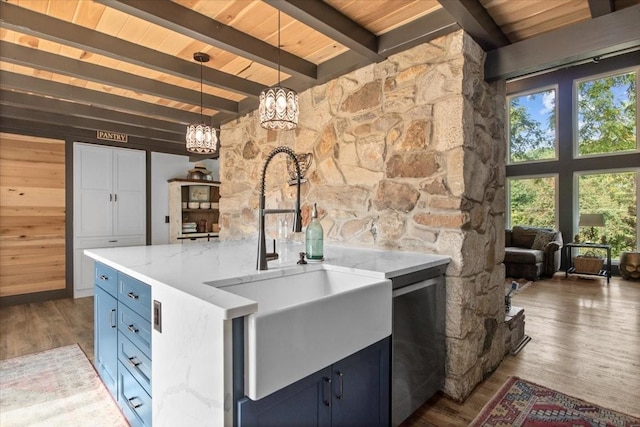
(201, 138)
(278, 105)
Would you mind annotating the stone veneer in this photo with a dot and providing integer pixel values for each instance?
(408, 155)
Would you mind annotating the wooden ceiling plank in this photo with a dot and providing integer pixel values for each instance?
(600, 7)
(605, 35)
(197, 26)
(79, 94)
(328, 21)
(86, 123)
(45, 60)
(81, 110)
(52, 29)
(476, 21)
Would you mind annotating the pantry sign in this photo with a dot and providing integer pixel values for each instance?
(112, 136)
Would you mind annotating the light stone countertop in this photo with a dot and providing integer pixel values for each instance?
(203, 269)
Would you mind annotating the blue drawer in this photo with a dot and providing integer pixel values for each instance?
(133, 400)
(136, 362)
(107, 278)
(135, 294)
(135, 328)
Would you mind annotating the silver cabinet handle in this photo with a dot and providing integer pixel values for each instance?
(132, 362)
(133, 329)
(111, 322)
(326, 387)
(132, 295)
(340, 385)
(133, 405)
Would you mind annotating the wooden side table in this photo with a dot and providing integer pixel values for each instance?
(606, 270)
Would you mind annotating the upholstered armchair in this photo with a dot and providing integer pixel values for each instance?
(532, 252)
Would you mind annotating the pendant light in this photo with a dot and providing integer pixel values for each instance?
(278, 105)
(201, 138)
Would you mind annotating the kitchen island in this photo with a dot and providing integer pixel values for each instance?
(198, 327)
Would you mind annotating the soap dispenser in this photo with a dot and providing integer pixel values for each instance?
(314, 237)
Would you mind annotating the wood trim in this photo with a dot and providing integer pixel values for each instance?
(607, 35)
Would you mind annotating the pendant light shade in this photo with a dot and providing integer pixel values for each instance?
(201, 138)
(278, 107)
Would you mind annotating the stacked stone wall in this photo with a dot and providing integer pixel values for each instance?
(408, 154)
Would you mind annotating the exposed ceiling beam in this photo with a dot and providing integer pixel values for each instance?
(19, 99)
(39, 25)
(50, 88)
(476, 21)
(197, 26)
(601, 7)
(42, 60)
(606, 35)
(422, 30)
(333, 24)
(39, 116)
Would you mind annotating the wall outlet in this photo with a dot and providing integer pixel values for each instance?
(166, 219)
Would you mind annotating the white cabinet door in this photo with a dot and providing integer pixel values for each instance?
(93, 196)
(129, 186)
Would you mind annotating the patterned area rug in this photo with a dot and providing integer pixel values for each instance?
(521, 403)
(56, 387)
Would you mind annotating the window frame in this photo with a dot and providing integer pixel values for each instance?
(556, 198)
(575, 113)
(555, 88)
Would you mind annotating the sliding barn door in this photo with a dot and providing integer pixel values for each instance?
(32, 215)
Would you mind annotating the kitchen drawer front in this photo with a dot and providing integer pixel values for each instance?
(135, 328)
(135, 294)
(107, 278)
(133, 400)
(136, 362)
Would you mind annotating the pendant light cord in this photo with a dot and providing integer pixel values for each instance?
(201, 115)
(278, 47)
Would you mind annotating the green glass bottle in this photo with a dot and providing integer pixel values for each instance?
(314, 237)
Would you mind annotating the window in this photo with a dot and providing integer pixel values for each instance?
(532, 201)
(532, 126)
(615, 195)
(606, 114)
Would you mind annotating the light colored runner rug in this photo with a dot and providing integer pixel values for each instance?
(57, 387)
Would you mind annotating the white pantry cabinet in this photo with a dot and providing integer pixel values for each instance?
(109, 204)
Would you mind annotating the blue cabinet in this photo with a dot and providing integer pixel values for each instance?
(353, 391)
(122, 309)
(106, 338)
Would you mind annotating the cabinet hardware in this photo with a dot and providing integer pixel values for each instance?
(103, 277)
(132, 295)
(132, 328)
(133, 405)
(115, 197)
(111, 322)
(157, 316)
(340, 385)
(326, 387)
(132, 363)
(110, 197)
(113, 241)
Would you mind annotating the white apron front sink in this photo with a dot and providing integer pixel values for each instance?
(306, 322)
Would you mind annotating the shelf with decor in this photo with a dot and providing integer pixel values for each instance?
(193, 210)
(588, 263)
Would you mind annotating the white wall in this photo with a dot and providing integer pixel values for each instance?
(163, 168)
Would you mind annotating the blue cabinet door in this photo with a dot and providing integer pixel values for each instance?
(362, 388)
(304, 403)
(106, 338)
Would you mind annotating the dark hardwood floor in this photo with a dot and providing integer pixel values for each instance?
(585, 342)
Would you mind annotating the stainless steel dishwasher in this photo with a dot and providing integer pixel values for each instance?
(418, 340)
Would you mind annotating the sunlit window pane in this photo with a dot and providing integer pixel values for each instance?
(614, 196)
(607, 115)
(532, 202)
(532, 126)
